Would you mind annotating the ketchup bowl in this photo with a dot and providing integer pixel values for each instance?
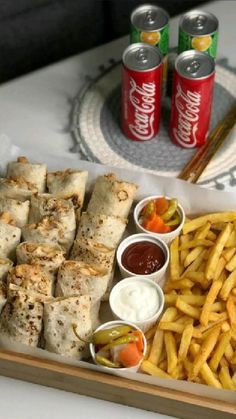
(167, 236)
(137, 299)
(143, 254)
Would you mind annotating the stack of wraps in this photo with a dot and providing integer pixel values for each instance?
(46, 300)
(101, 228)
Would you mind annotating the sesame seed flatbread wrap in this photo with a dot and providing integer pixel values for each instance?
(111, 196)
(48, 256)
(101, 228)
(17, 209)
(59, 317)
(21, 317)
(69, 184)
(34, 173)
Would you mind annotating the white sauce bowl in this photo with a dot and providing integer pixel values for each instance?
(166, 237)
(147, 322)
(156, 276)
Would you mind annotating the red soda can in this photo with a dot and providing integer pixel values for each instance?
(141, 91)
(192, 98)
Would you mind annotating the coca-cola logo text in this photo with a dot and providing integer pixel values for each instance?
(143, 101)
(188, 107)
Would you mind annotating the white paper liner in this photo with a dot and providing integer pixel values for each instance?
(194, 200)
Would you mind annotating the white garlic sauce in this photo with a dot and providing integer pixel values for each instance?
(136, 301)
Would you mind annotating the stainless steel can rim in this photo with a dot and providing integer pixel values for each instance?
(208, 14)
(153, 29)
(190, 53)
(147, 47)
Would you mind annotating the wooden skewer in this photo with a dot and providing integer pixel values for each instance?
(193, 169)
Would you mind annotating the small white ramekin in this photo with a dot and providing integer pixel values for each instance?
(134, 238)
(109, 325)
(145, 324)
(166, 237)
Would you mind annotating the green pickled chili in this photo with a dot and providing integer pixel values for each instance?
(105, 336)
(120, 341)
(171, 210)
(105, 362)
(78, 336)
(149, 209)
(174, 222)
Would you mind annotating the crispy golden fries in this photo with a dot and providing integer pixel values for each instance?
(157, 347)
(205, 351)
(174, 260)
(151, 369)
(220, 217)
(195, 338)
(185, 342)
(220, 350)
(211, 296)
(217, 250)
(171, 351)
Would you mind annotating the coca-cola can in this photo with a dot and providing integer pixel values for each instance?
(192, 98)
(141, 91)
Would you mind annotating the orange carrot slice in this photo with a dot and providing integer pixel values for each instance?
(130, 356)
(154, 224)
(162, 205)
(139, 343)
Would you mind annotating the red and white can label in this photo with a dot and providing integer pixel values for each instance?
(141, 103)
(191, 110)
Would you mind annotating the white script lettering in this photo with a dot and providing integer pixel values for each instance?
(188, 106)
(143, 100)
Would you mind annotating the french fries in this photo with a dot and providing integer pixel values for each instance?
(174, 260)
(217, 250)
(185, 342)
(195, 338)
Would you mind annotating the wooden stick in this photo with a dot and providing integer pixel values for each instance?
(193, 170)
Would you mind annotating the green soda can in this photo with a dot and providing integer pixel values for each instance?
(198, 30)
(150, 24)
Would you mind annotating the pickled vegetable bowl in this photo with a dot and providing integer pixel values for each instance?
(118, 347)
(160, 215)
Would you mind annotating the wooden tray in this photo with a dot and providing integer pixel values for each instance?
(111, 388)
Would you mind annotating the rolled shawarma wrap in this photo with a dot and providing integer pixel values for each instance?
(48, 256)
(111, 196)
(34, 173)
(101, 228)
(59, 317)
(3, 295)
(31, 278)
(19, 210)
(48, 230)
(18, 188)
(21, 317)
(46, 205)
(90, 252)
(5, 265)
(79, 278)
(9, 236)
(69, 184)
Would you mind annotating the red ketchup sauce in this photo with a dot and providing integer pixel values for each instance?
(143, 258)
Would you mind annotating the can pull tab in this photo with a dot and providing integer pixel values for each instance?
(199, 22)
(193, 67)
(149, 17)
(141, 56)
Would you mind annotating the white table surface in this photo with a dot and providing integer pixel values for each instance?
(34, 112)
